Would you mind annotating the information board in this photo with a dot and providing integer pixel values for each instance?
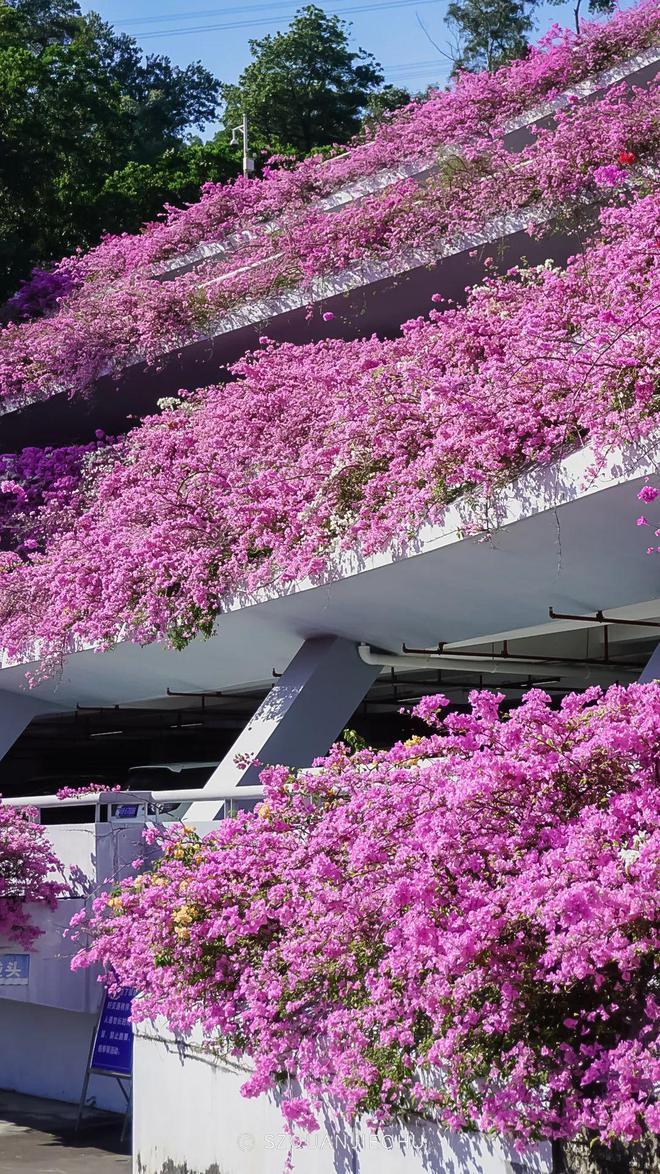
(113, 1044)
(14, 969)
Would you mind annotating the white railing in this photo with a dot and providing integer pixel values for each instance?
(147, 799)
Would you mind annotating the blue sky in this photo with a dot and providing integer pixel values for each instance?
(198, 30)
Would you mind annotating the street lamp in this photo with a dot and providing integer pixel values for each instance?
(242, 129)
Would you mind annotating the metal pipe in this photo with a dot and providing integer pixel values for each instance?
(520, 659)
(599, 618)
(507, 665)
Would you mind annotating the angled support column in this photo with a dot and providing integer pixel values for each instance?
(16, 712)
(300, 718)
(652, 670)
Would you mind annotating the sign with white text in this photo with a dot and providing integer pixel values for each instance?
(14, 969)
(113, 1045)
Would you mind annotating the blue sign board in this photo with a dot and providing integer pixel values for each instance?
(113, 1045)
(14, 969)
(125, 811)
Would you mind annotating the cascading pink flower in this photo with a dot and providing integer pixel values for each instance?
(478, 107)
(465, 926)
(27, 863)
(315, 450)
(109, 321)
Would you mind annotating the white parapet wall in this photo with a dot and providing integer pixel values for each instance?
(190, 1118)
(44, 1053)
(48, 1016)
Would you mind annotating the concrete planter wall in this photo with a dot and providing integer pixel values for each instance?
(189, 1118)
(51, 981)
(46, 1025)
(44, 1052)
(91, 855)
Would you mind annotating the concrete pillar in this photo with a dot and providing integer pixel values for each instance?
(652, 670)
(16, 712)
(301, 716)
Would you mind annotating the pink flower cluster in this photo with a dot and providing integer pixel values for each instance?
(37, 486)
(88, 789)
(102, 325)
(648, 494)
(478, 107)
(465, 926)
(26, 862)
(319, 449)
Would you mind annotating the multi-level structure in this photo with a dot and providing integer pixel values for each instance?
(542, 580)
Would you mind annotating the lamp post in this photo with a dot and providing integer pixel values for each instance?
(242, 129)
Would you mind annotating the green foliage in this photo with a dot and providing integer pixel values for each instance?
(594, 6)
(78, 105)
(137, 192)
(382, 102)
(353, 740)
(305, 87)
(489, 32)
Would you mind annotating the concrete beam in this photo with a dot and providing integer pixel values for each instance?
(299, 719)
(16, 713)
(652, 670)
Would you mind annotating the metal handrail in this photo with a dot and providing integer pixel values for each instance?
(107, 798)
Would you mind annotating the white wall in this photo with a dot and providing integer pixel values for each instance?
(52, 983)
(44, 1052)
(96, 853)
(46, 1025)
(189, 1116)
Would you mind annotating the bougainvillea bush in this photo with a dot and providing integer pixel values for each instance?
(38, 487)
(26, 862)
(315, 450)
(465, 926)
(595, 154)
(477, 107)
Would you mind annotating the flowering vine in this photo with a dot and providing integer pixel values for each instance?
(104, 325)
(38, 487)
(477, 107)
(465, 926)
(26, 863)
(319, 449)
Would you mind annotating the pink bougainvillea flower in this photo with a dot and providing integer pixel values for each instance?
(481, 901)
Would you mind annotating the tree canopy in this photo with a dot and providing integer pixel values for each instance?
(489, 33)
(78, 104)
(305, 87)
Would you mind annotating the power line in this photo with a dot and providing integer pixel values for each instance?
(241, 24)
(414, 65)
(224, 11)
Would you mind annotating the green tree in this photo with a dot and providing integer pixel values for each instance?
(382, 102)
(137, 192)
(77, 104)
(594, 6)
(489, 32)
(305, 87)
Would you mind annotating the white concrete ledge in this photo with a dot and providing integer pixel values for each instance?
(221, 1131)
